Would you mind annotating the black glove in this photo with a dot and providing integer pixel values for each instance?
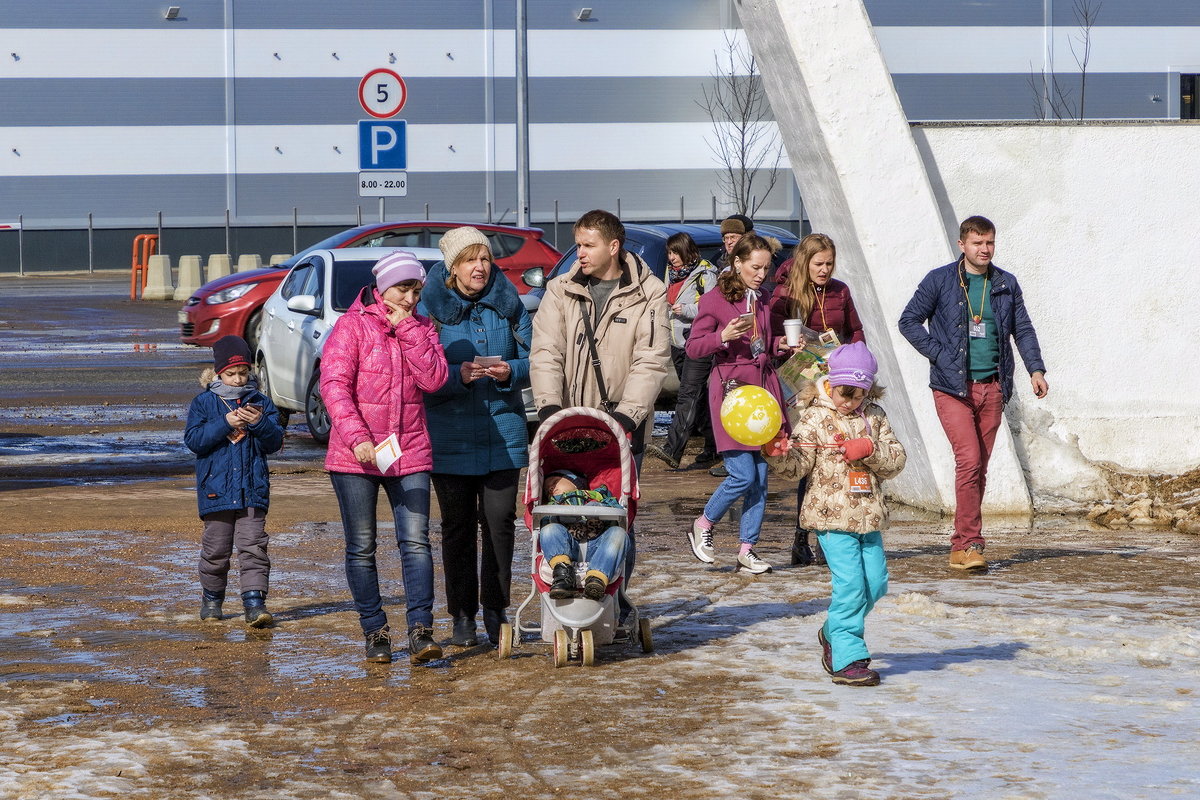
(545, 412)
(628, 424)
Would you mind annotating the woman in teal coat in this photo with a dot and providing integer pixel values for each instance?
(477, 425)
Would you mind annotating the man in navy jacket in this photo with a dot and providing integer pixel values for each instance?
(974, 311)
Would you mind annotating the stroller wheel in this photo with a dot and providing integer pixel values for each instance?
(560, 648)
(504, 647)
(644, 635)
(588, 643)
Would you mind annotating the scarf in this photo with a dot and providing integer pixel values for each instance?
(679, 274)
(226, 392)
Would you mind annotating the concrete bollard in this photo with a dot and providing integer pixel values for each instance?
(279, 258)
(249, 261)
(219, 265)
(158, 279)
(189, 277)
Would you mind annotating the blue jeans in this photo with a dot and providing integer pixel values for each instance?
(858, 570)
(605, 553)
(409, 497)
(748, 480)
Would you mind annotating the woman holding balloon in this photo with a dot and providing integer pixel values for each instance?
(733, 325)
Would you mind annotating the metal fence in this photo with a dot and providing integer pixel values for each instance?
(27, 246)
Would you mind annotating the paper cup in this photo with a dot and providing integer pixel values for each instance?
(793, 332)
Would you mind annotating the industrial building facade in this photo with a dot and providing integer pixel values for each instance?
(125, 108)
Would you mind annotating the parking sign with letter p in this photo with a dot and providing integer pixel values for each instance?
(382, 144)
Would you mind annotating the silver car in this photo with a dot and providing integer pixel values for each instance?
(298, 317)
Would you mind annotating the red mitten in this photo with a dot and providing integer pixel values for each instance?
(777, 446)
(854, 449)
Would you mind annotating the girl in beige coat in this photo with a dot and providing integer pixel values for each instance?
(846, 447)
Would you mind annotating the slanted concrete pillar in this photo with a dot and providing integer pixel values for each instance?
(249, 261)
(219, 265)
(158, 279)
(189, 277)
(865, 185)
(279, 258)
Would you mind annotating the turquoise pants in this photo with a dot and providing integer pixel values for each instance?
(858, 573)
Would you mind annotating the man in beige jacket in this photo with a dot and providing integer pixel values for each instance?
(627, 306)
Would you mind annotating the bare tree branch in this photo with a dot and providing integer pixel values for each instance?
(744, 142)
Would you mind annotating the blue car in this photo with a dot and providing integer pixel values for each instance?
(650, 242)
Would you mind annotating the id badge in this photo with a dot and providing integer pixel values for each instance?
(236, 435)
(829, 339)
(757, 347)
(978, 330)
(860, 481)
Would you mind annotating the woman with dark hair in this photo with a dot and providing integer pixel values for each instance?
(477, 424)
(807, 291)
(734, 327)
(690, 278)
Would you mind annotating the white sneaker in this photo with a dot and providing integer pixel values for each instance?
(750, 562)
(702, 543)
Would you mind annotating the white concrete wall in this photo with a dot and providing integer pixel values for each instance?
(1098, 221)
(865, 185)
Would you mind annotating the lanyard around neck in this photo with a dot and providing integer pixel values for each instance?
(976, 318)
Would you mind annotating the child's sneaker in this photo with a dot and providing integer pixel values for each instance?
(826, 650)
(593, 588)
(750, 562)
(254, 603)
(701, 540)
(210, 605)
(856, 673)
(563, 585)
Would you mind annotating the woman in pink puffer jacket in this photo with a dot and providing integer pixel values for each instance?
(378, 363)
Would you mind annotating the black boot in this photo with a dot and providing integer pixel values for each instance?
(492, 620)
(255, 604)
(802, 554)
(379, 646)
(421, 646)
(464, 632)
(563, 587)
(210, 605)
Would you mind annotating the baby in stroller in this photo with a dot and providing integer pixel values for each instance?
(581, 497)
(561, 538)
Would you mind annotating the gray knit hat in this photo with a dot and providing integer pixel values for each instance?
(455, 240)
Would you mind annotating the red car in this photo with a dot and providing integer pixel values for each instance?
(233, 304)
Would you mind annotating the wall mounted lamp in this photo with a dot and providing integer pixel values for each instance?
(172, 12)
(584, 14)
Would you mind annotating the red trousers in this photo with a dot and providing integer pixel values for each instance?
(970, 423)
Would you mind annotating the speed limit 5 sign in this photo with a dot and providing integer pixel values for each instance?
(382, 93)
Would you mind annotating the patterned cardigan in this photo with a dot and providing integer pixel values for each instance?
(829, 504)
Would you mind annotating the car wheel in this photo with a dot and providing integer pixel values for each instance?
(254, 329)
(319, 423)
(264, 386)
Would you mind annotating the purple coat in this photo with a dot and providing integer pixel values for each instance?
(732, 360)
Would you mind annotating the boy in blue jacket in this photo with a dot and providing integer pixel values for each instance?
(231, 427)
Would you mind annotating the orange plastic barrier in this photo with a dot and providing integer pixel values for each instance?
(144, 246)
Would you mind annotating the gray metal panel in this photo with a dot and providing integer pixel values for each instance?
(65, 102)
(110, 14)
(1132, 12)
(1010, 96)
(620, 14)
(124, 200)
(958, 12)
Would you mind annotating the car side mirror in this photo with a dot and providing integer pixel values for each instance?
(535, 277)
(302, 303)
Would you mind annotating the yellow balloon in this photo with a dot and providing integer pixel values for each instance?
(751, 415)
